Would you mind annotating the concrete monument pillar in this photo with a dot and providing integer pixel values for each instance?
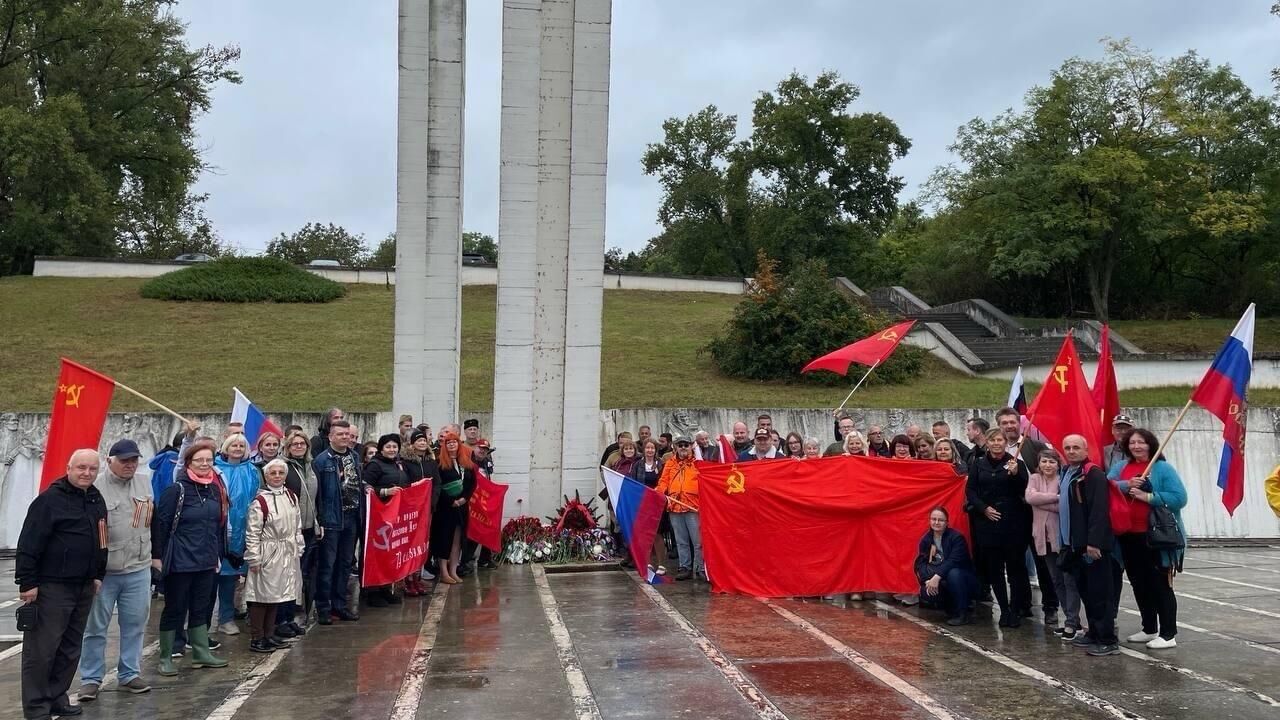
(432, 62)
(555, 113)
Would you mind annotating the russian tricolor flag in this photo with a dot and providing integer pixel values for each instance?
(254, 420)
(1224, 392)
(638, 509)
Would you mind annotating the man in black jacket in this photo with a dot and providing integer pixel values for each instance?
(1087, 530)
(62, 558)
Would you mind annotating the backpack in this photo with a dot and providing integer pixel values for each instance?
(266, 511)
(1117, 503)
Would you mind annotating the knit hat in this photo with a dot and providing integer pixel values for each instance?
(388, 438)
(416, 435)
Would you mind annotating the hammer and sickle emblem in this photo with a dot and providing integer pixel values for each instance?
(736, 482)
(383, 542)
(73, 394)
(1060, 376)
(889, 335)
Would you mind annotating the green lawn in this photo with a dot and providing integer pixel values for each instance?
(308, 357)
(1183, 336)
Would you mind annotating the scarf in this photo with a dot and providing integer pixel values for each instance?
(208, 480)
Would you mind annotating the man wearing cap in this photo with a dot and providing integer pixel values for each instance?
(126, 589)
(1120, 427)
(679, 484)
(471, 432)
(761, 449)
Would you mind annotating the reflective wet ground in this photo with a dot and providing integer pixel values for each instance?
(520, 643)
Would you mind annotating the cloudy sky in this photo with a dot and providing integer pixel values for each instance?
(310, 134)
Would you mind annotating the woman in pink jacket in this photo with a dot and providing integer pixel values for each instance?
(1042, 495)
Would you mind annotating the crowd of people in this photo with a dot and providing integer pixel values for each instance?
(1033, 510)
(226, 531)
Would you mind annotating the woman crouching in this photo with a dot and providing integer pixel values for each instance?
(945, 572)
(273, 548)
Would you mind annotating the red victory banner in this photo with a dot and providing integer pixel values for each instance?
(782, 528)
(396, 531)
(485, 522)
(79, 411)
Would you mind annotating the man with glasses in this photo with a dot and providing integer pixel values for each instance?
(876, 444)
(844, 428)
(126, 589)
(679, 483)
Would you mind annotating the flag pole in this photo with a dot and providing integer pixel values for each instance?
(1164, 443)
(128, 389)
(855, 387)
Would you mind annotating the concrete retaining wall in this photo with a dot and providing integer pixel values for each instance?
(471, 275)
(1194, 451)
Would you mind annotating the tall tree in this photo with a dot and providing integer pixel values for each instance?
(98, 103)
(384, 256)
(477, 243)
(319, 242)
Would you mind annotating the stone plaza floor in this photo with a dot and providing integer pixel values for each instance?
(519, 642)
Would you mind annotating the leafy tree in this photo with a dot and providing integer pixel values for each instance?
(384, 256)
(785, 322)
(98, 104)
(474, 243)
(319, 242)
(615, 261)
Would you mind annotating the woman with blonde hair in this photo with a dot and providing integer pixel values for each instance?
(855, 444)
(273, 546)
(242, 480)
(449, 523)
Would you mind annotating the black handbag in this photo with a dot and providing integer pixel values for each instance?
(1162, 530)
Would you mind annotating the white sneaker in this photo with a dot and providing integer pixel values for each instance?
(1141, 637)
(229, 628)
(855, 596)
(1160, 643)
(426, 575)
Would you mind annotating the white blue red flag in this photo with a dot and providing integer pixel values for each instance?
(254, 420)
(638, 509)
(1224, 392)
(1018, 394)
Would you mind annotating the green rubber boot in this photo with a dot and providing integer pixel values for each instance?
(167, 668)
(200, 655)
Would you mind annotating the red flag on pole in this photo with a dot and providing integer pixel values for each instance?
(79, 411)
(867, 351)
(1105, 393)
(486, 503)
(1064, 405)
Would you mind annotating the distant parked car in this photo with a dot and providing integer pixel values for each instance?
(193, 257)
(325, 262)
(474, 259)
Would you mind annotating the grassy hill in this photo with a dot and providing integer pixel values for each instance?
(308, 357)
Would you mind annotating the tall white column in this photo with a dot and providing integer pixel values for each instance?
(432, 57)
(551, 212)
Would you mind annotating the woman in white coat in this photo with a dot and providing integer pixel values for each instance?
(273, 547)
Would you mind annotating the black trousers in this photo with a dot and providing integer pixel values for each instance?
(1009, 560)
(1048, 593)
(1151, 589)
(1096, 581)
(188, 599)
(51, 652)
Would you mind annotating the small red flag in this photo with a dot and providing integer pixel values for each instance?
(1105, 393)
(79, 411)
(867, 351)
(1064, 405)
(486, 503)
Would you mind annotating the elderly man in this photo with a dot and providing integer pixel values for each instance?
(762, 449)
(679, 483)
(1115, 453)
(876, 442)
(471, 432)
(1085, 531)
(127, 585)
(705, 449)
(913, 433)
(62, 558)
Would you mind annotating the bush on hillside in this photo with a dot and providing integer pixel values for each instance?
(240, 280)
(781, 325)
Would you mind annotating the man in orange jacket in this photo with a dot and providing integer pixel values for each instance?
(679, 483)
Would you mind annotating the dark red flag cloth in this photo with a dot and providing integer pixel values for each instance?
(1106, 395)
(396, 532)
(485, 507)
(1064, 406)
(777, 528)
(80, 405)
(867, 351)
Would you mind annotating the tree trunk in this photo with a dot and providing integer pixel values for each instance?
(1100, 270)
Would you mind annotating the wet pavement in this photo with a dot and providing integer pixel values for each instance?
(518, 642)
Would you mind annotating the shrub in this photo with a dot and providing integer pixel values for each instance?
(782, 325)
(249, 279)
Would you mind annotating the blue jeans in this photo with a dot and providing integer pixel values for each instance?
(688, 540)
(130, 594)
(227, 598)
(337, 550)
(955, 591)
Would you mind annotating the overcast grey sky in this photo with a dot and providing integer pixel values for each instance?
(310, 134)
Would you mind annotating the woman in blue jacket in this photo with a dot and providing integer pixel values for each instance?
(242, 480)
(944, 569)
(1151, 571)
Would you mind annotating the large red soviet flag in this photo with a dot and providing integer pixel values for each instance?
(1105, 392)
(777, 528)
(1064, 405)
(80, 405)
